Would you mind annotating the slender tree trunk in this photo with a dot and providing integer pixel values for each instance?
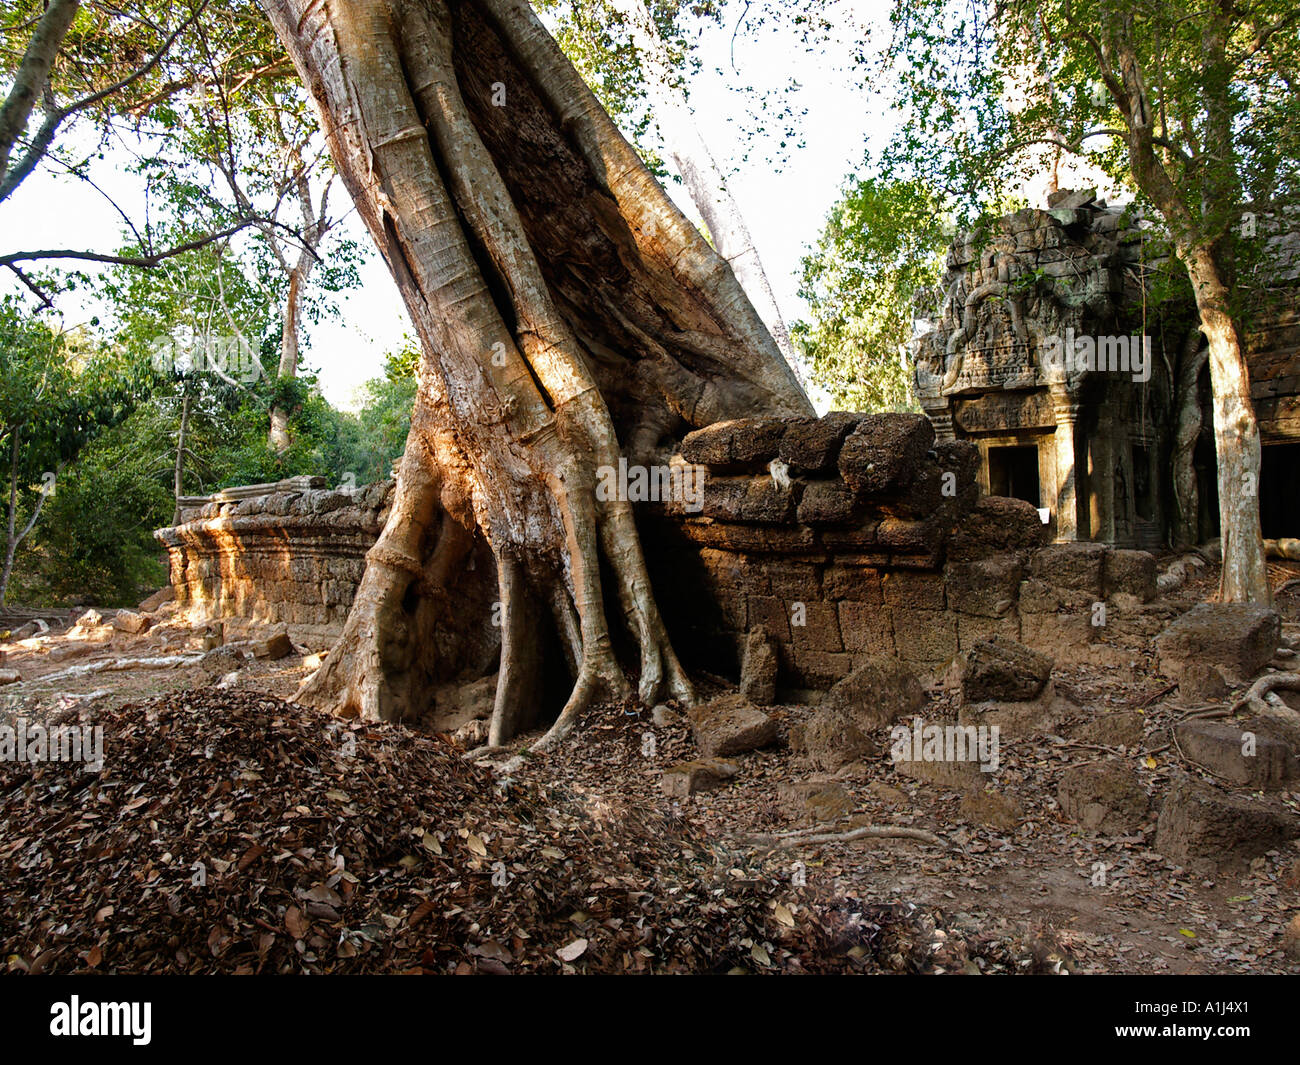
(178, 471)
(1236, 436)
(11, 526)
(32, 74)
(279, 437)
(1187, 429)
(700, 173)
(563, 304)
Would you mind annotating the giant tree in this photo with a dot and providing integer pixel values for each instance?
(568, 314)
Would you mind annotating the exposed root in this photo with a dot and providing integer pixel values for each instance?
(1255, 697)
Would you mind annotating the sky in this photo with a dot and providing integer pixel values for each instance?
(784, 205)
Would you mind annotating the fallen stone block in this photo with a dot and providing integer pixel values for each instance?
(758, 668)
(10, 676)
(276, 646)
(1239, 638)
(831, 739)
(730, 724)
(685, 779)
(129, 621)
(1105, 797)
(1002, 669)
(1238, 752)
(879, 691)
(1207, 829)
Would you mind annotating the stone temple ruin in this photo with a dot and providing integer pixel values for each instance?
(839, 563)
(843, 562)
(1049, 352)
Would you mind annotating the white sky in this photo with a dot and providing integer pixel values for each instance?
(784, 207)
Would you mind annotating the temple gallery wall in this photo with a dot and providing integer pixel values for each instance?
(1064, 348)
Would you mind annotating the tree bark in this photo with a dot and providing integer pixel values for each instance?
(1187, 429)
(1236, 433)
(33, 74)
(178, 471)
(563, 305)
(1236, 437)
(279, 437)
(11, 526)
(700, 172)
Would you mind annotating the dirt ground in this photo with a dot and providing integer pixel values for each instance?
(1011, 861)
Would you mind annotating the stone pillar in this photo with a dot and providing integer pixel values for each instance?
(1065, 440)
(1101, 476)
(941, 419)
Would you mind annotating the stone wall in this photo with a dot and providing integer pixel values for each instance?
(840, 537)
(290, 553)
(872, 539)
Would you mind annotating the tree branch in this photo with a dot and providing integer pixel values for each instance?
(55, 116)
(33, 73)
(128, 260)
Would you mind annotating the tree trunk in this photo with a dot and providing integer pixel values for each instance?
(563, 305)
(1187, 429)
(1236, 436)
(178, 471)
(11, 526)
(700, 172)
(279, 438)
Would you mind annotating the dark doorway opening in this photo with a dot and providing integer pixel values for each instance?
(1013, 471)
(1279, 490)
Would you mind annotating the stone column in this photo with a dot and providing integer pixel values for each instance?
(1101, 476)
(1065, 440)
(941, 419)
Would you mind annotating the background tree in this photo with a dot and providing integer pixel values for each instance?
(865, 283)
(1192, 108)
(639, 57)
(54, 399)
(89, 65)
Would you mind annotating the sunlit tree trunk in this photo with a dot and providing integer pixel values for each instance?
(568, 314)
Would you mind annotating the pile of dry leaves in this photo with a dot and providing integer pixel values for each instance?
(231, 832)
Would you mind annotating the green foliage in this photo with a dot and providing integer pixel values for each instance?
(56, 394)
(95, 541)
(993, 93)
(880, 249)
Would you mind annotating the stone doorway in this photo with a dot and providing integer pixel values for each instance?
(1279, 490)
(1013, 471)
